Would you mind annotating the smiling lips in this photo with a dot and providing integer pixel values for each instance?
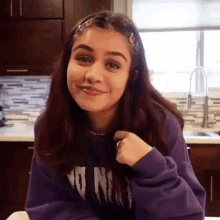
(92, 89)
(89, 92)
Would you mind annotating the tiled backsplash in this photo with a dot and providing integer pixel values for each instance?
(26, 98)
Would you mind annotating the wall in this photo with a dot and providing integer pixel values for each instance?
(27, 97)
(123, 6)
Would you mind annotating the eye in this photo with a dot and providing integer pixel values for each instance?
(114, 64)
(84, 59)
(81, 58)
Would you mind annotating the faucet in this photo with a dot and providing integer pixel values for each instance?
(205, 118)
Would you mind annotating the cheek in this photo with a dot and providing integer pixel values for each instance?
(119, 87)
(72, 74)
(72, 78)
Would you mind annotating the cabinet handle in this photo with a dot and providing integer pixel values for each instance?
(11, 9)
(211, 187)
(20, 7)
(17, 70)
(31, 148)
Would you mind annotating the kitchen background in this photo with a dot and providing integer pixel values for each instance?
(24, 98)
(178, 37)
(172, 54)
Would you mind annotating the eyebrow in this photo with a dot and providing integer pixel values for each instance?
(86, 47)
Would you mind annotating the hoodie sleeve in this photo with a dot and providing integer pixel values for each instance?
(48, 199)
(53, 200)
(166, 186)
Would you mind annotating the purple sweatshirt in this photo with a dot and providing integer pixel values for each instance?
(158, 187)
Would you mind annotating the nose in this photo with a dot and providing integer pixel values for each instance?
(95, 73)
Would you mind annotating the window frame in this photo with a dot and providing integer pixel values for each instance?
(199, 78)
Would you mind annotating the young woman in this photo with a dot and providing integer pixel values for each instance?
(108, 145)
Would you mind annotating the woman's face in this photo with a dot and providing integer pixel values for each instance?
(93, 63)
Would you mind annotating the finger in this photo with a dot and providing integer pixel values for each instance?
(119, 151)
(118, 145)
(119, 159)
(120, 135)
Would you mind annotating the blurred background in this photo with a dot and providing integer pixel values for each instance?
(177, 36)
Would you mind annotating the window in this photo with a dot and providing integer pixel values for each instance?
(177, 37)
(172, 57)
(212, 57)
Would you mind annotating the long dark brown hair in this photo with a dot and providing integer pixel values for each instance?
(142, 109)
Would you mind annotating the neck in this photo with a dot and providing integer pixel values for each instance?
(100, 122)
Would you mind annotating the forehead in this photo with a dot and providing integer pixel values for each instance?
(106, 40)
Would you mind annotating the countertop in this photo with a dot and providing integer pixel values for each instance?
(24, 132)
(19, 132)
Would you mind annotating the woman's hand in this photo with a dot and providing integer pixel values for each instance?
(131, 149)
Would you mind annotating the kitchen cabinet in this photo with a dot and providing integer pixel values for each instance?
(42, 8)
(205, 160)
(21, 9)
(5, 9)
(16, 166)
(28, 47)
(32, 34)
(10, 9)
(210, 179)
(34, 31)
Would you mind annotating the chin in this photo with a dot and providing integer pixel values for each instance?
(90, 107)
(96, 106)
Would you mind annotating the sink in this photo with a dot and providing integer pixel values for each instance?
(205, 133)
(199, 134)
